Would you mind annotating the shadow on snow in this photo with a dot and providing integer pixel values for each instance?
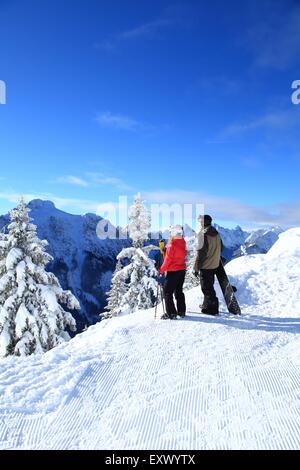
(248, 322)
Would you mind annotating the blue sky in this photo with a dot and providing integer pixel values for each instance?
(184, 101)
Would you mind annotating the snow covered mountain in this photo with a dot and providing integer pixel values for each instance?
(82, 262)
(232, 239)
(201, 382)
(259, 241)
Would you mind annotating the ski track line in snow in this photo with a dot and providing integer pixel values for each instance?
(24, 430)
(15, 430)
(83, 405)
(151, 390)
(133, 400)
(269, 381)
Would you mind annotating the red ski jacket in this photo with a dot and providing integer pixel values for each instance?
(175, 256)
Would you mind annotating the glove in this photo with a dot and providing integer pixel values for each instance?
(196, 274)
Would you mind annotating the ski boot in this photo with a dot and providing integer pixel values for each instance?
(165, 316)
(181, 315)
(211, 308)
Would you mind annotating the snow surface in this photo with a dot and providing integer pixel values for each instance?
(202, 382)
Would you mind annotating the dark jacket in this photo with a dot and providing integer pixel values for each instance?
(210, 247)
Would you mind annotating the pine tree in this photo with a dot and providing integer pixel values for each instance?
(140, 222)
(191, 280)
(138, 277)
(32, 319)
(116, 293)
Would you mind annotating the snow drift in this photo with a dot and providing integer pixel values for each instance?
(271, 278)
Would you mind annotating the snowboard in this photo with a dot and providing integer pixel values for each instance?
(227, 290)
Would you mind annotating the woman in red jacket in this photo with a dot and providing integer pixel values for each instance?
(174, 265)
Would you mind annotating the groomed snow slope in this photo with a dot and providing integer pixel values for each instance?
(196, 383)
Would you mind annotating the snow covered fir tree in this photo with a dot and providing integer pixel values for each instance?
(32, 317)
(190, 279)
(116, 293)
(137, 280)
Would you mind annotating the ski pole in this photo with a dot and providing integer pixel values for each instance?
(161, 244)
(162, 299)
(157, 292)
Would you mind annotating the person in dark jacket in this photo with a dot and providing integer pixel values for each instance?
(207, 261)
(175, 267)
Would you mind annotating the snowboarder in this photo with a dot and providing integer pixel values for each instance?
(207, 261)
(175, 266)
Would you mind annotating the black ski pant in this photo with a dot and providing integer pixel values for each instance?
(207, 279)
(173, 285)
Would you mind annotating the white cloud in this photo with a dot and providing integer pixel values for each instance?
(224, 208)
(123, 122)
(99, 179)
(221, 208)
(150, 29)
(276, 121)
(73, 205)
(69, 179)
(93, 180)
(79, 205)
(288, 213)
(174, 15)
(118, 121)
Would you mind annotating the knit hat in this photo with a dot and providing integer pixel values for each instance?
(207, 219)
(176, 230)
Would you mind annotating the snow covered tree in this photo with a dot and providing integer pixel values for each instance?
(140, 222)
(32, 319)
(191, 280)
(116, 293)
(139, 276)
